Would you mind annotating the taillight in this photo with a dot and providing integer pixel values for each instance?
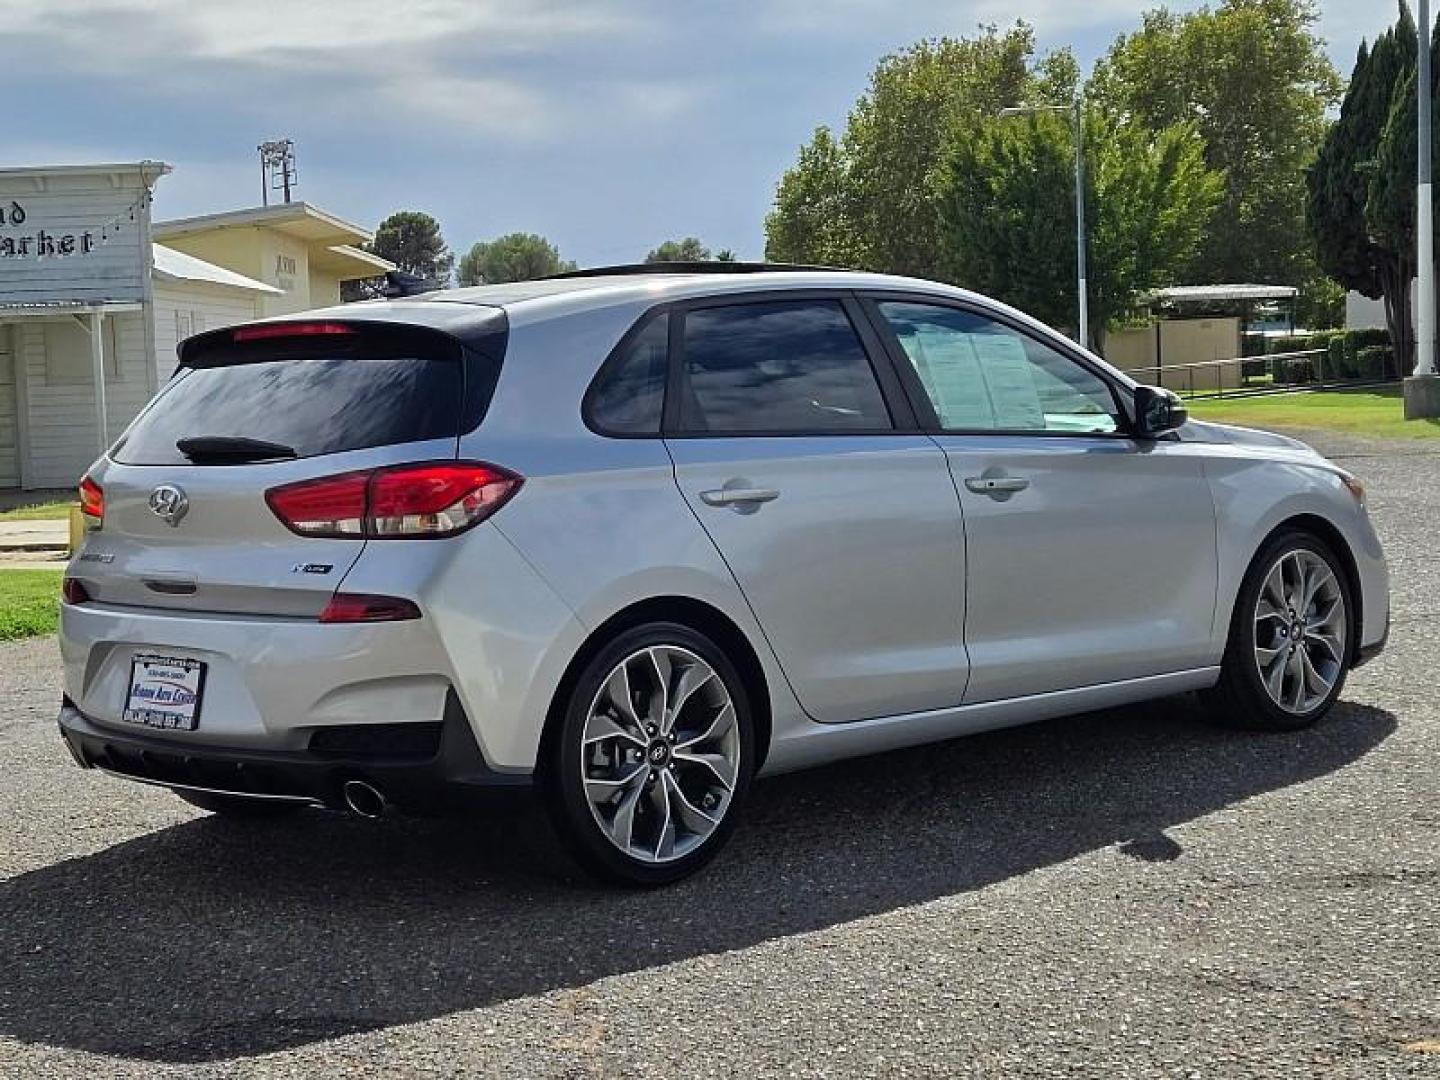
(364, 607)
(330, 506)
(288, 329)
(436, 499)
(73, 591)
(92, 502)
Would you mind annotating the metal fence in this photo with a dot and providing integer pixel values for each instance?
(1287, 372)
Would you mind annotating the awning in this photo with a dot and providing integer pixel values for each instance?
(1201, 294)
(52, 309)
(171, 265)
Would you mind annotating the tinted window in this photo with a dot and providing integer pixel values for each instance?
(628, 396)
(982, 375)
(315, 405)
(793, 366)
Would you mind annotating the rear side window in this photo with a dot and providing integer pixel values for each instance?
(782, 367)
(629, 393)
(308, 402)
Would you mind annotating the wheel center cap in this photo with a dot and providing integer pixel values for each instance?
(1297, 628)
(659, 753)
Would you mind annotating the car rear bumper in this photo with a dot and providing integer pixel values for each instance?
(416, 769)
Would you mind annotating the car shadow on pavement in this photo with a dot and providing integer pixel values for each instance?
(214, 939)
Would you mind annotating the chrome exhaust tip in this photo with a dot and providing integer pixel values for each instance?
(363, 799)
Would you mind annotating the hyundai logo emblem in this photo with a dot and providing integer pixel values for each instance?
(169, 503)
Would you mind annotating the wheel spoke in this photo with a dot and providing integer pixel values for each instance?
(659, 704)
(601, 727)
(719, 767)
(665, 834)
(619, 693)
(1314, 683)
(691, 679)
(1296, 674)
(622, 826)
(602, 788)
(1330, 642)
(691, 816)
(721, 723)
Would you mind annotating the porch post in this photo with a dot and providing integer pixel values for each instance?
(97, 367)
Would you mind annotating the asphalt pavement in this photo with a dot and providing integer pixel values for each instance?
(1129, 893)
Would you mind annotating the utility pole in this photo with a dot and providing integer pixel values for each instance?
(1077, 111)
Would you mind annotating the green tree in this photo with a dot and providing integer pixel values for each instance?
(726, 255)
(513, 257)
(1360, 241)
(689, 249)
(1007, 208)
(868, 199)
(1254, 78)
(412, 241)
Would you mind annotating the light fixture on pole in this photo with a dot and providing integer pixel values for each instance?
(1076, 109)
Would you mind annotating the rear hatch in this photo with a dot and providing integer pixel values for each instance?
(186, 522)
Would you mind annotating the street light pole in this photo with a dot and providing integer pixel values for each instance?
(1422, 389)
(1077, 111)
(1082, 289)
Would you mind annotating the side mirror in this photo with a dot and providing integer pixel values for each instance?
(1157, 411)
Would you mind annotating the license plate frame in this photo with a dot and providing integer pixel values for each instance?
(176, 682)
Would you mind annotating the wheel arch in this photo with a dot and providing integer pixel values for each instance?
(687, 611)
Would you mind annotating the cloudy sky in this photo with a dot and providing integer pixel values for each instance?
(607, 125)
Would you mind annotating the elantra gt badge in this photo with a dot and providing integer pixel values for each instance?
(169, 503)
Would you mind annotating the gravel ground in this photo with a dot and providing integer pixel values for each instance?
(1129, 893)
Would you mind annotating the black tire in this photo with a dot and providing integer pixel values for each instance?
(562, 771)
(234, 806)
(1240, 699)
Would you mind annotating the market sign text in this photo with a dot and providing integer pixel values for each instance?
(41, 244)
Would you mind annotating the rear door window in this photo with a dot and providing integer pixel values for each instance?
(782, 367)
(306, 404)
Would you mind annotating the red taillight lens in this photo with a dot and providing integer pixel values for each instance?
(73, 591)
(92, 502)
(292, 329)
(402, 502)
(363, 607)
(330, 506)
(437, 500)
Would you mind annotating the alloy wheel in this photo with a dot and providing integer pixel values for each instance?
(1300, 624)
(661, 753)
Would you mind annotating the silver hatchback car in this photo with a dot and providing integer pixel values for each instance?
(631, 537)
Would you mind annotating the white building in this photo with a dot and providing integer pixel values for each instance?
(91, 308)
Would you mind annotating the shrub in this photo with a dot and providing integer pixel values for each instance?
(1371, 362)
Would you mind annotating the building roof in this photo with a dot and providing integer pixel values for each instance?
(147, 168)
(347, 261)
(297, 219)
(1194, 294)
(172, 265)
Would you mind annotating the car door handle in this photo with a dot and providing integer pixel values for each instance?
(996, 485)
(732, 496)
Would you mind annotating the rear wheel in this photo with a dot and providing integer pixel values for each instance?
(653, 757)
(238, 807)
(1289, 646)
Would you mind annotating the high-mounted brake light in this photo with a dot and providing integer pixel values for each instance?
(288, 329)
(402, 502)
(92, 502)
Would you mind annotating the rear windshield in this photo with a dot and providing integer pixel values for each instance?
(309, 405)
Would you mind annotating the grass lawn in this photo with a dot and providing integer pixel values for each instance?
(29, 603)
(56, 510)
(1369, 411)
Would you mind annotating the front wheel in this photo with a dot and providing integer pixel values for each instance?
(1289, 646)
(653, 757)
